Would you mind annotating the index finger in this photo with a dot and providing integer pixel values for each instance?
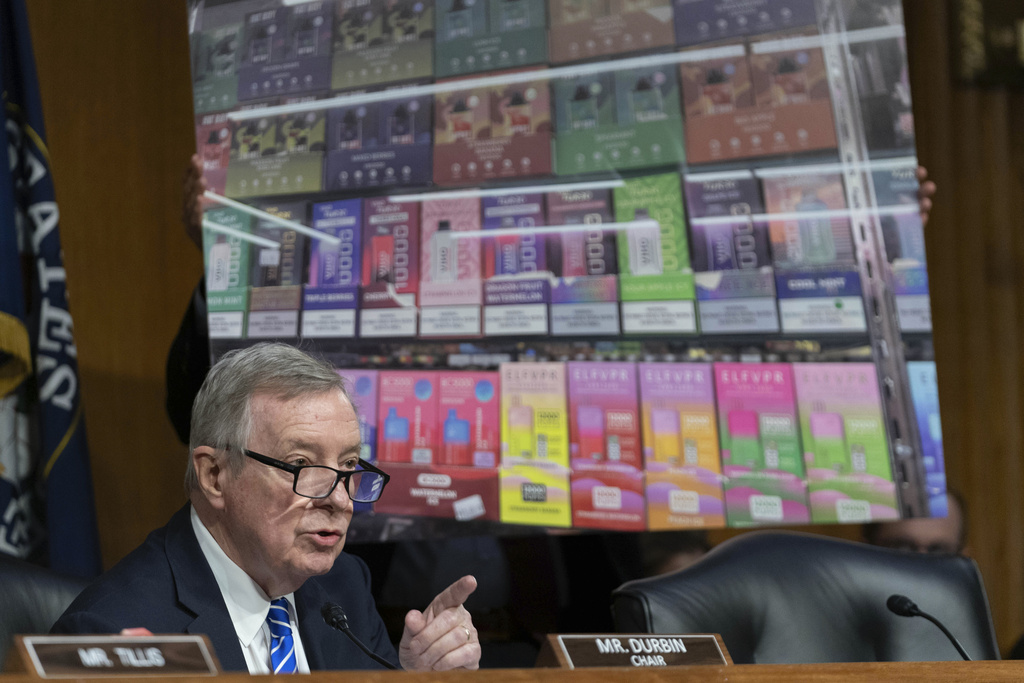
(452, 596)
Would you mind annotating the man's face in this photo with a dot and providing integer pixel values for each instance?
(278, 537)
(925, 535)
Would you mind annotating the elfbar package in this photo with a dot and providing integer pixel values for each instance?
(227, 274)
(924, 390)
(469, 424)
(451, 286)
(461, 480)
(849, 472)
(760, 436)
(277, 274)
(680, 437)
(534, 444)
(407, 417)
(604, 443)
(655, 281)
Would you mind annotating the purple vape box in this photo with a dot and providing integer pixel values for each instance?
(720, 243)
(379, 144)
(705, 21)
(286, 51)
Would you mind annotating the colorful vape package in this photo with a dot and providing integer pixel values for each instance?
(390, 270)
(517, 290)
(227, 274)
(469, 419)
(618, 120)
(492, 133)
(379, 144)
(703, 21)
(361, 386)
(451, 284)
(277, 155)
(817, 240)
(604, 444)
(924, 390)
(213, 143)
(277, 274)
(331, 295)
(896, 189)
(215, 54)
(729, 250)
(655, 280)
(407, 417)
(849, 472)
(684, 472)
(534, 445)
(760, 436)
(585, 29)
(487, 35)
(286, 51)
(382, 41)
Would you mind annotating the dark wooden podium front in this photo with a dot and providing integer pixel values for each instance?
(749, 673)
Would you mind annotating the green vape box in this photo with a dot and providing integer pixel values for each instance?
(489, 35)
(226, 260)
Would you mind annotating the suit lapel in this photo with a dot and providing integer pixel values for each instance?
(326, 648)
(199, 594)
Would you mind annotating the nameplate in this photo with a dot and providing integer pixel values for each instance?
(638, 650)
(111, 656)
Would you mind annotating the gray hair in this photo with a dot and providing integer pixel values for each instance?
(222, 411)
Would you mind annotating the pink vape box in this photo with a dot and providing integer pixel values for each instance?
(684, 472)
(461, 493)
(468, 419)
(391, 245)
(362, 390)
(604, 444)
(760, 437)
(407, 417)
(449, 265)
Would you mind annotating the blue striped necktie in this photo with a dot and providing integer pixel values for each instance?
(282, 645)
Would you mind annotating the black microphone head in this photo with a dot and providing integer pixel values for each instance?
(902, 605)
(334, 615)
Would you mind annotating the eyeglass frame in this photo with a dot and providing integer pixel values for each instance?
(296, 470)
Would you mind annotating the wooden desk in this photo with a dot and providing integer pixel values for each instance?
(771, 673)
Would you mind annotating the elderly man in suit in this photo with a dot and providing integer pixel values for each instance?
(255, 555)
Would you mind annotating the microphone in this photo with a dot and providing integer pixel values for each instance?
(335, 617)
(903, 606)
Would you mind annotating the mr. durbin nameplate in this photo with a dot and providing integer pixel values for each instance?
(633, 650)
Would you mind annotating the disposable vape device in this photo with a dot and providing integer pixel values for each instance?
(529, 247)
(778, 438)
(396, 437)
(506, 255)
(460, 121)
(351, 131)
(218, 266)
(521, 438)
(305, 38)
(382, 258)
(744, 444)
(647, 101)
(718, 93)
(444, 265)
(816, 241)
(455, 449)
(790, 81)
(665, 425)
(515, 14)
(591, 424)
(854, 427)
(645, 246)
(574, 254)
(695, 429)
(829, 441)
(719, 242)
(458, 23)
(400, 127)
(518, 111)
(582, 109)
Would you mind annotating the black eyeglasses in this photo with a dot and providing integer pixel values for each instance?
(363, 484)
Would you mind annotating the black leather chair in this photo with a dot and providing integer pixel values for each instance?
(778, 597)
(31, 599)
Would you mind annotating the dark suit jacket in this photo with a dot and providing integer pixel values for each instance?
(167, 586)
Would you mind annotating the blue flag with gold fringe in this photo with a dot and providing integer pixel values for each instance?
(47, 511)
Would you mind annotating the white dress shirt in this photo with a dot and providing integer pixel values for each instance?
(247, 605)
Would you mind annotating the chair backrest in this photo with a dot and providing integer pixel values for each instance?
(31, 599)
(778, 597)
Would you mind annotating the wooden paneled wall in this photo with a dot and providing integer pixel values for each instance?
(115, 82)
